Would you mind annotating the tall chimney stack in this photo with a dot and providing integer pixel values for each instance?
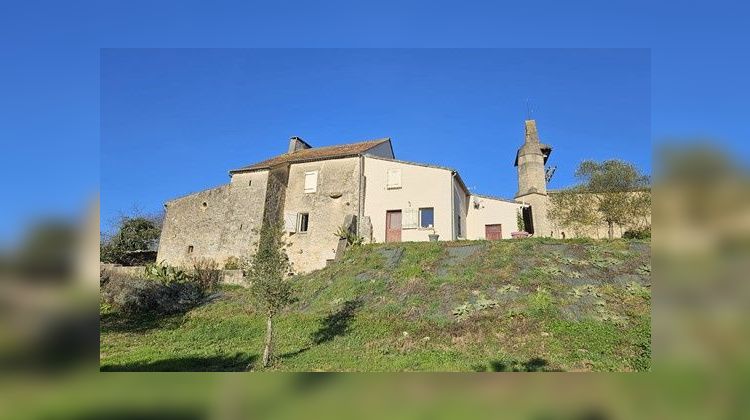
(296, 143)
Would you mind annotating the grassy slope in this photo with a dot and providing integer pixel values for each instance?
(559, 305)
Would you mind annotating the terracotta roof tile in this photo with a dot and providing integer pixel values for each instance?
(315, 153)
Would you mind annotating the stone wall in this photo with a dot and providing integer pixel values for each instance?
(335, 198)
(599, 231)
(217, 223)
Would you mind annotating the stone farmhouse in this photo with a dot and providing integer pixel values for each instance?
(361, 187)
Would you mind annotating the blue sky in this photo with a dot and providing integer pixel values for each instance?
(175, 121)
(50, 104)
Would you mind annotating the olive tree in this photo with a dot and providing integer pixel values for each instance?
(269, 285)
(573, 209)
(613, 192)
(269, 268)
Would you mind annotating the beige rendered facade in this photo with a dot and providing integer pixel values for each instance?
(314, 191)
(322, 189)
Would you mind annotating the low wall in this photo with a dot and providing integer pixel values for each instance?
(232, 277)
(116, 269)
(226, 277)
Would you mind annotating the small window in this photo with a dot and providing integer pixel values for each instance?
(250, 183)
(205, 204)
(311, 181)
(427, 217)
(190, 249)
(303, 220)
(393, 179)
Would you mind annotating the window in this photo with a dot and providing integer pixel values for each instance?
(190, 249)
(250, 183)
(303, 220)
(311, 181)
(410, 218)
(393, 179)
(427, 217)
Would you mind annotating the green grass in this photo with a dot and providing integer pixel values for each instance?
(365, 314)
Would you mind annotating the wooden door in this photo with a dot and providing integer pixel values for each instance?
(393, 226)
(493, 232)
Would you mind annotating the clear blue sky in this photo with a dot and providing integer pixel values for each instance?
(175, 121)
(50, 108)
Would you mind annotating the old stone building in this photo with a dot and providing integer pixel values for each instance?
(361, 187)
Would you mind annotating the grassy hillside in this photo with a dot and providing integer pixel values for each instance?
(533, 304)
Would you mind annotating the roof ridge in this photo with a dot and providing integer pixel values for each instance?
(316, 153)
(380, 140)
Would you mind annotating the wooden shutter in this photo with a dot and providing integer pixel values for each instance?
(410, 219)
(393, 178)
(311, 182)
(290, 221)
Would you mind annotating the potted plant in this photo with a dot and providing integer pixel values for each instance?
(433, 236)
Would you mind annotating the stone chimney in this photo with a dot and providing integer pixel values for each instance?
(531, 134)
(296, 143)
(532, 184)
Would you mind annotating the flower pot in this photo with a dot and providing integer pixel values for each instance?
(433, 237)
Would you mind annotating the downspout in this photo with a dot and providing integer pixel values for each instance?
(453, 211)
(361, 203)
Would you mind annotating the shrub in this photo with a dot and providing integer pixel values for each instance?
(232, 263)
(643, 233)
(206, 273)
(166, 274)
(138, 297)
(351, 237)
(162, 290)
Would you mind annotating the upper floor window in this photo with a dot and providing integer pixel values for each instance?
(311, 181)
(393, 179)
(427, 217)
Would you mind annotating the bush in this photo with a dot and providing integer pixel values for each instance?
(206, 274)
(166, 274)
(351, 237)
(138, 296)
(643, 233)
(232, 263)
(162, 290)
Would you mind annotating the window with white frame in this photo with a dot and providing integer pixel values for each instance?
(311, 181)
(393, 179)
(427, 217)
(303, 221)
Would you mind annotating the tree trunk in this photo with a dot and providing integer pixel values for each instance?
(610, 230)
(267, 351)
